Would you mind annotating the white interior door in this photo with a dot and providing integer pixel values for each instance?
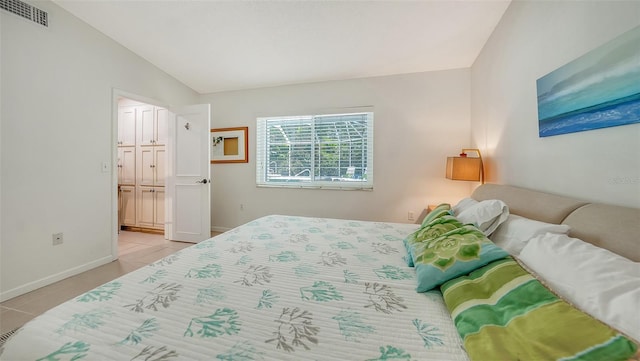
(188, 185)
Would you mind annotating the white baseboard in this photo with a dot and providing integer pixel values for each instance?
(219, 229)
(20, 290)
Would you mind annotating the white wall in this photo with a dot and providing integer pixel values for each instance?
(56, 130)
(420, 119)
(533, 39)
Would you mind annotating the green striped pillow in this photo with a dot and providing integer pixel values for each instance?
(442, 209)
(503, 313)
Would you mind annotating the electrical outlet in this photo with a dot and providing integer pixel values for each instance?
(57, 238)
(411, 216)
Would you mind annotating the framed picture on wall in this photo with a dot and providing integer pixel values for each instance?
(230, 145)
(597, 90)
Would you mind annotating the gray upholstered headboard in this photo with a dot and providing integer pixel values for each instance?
(615, 228)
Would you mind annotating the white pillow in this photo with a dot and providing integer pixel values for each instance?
(462, 205)
(486, 215)
(516, 231)
(599, 282)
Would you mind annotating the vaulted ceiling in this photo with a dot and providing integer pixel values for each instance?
(214, 46)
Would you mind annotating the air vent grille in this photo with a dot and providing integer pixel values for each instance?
(4, 337)
(25, 10)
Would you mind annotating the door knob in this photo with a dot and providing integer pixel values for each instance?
(203, 181)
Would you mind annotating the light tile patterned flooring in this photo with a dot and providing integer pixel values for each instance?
(136, 249)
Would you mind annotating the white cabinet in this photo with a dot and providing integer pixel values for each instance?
(158, 216)
(152, 126)
(150, 207)
(161, 126)
(151, 168)
(127, 165)
(127, 126)
(127, 205)
(142, 137)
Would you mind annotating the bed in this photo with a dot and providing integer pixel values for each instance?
(298, 288)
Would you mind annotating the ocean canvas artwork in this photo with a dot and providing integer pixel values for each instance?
(598, 90)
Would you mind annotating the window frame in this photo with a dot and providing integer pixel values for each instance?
(337, 183)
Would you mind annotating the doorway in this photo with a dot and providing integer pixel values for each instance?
(172, 158)
(141, 168)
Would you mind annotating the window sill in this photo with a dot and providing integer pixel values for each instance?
(316, 186)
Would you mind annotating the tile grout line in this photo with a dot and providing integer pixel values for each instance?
(6, 308)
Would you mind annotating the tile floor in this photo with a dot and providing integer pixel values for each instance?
(136, 249)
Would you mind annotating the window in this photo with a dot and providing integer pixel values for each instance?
(316, 151)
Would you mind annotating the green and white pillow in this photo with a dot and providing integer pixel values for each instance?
(434, 229)
(452, 254)
(419, 235)
(443, 209)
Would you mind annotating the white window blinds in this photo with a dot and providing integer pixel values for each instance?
(321, 151)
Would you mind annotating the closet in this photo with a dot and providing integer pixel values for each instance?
(142, 139)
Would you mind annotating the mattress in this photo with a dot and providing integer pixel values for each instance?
(277, 288)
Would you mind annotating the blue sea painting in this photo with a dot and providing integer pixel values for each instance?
(598, 90)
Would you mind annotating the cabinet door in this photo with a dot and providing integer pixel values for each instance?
(146, 125)
(145, 206)
(127, 126)
(161, 126)
(127, 206)
(159, 162)
(127, 165)
(146, 166)
(119, 166)
(159, 208)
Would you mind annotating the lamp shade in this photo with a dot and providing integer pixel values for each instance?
(464, 168)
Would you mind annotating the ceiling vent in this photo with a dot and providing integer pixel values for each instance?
(26, 11)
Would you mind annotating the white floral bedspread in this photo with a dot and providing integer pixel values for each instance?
(277, 288)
